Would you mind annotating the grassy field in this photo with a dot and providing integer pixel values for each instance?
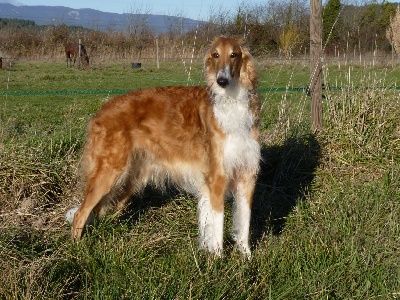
(326, 217)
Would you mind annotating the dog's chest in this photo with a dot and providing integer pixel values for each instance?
(241, 151)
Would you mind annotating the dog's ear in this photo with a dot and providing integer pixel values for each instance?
(248, 74)
(207, 58)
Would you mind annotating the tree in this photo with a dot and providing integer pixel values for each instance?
(288, 40)
(330, 20)
(374, 21)
(388, 11)
(393, 32)
(290, 36)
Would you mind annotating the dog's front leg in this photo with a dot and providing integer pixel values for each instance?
(243, 194)
(211, 226)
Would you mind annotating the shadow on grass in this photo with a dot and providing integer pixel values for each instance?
(150, 197)
(286, 172)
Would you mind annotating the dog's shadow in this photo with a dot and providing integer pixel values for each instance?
(286, 173)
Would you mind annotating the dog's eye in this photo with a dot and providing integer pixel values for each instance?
(233, 55)
(215, 55)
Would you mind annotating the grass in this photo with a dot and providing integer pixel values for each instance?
(326, 212)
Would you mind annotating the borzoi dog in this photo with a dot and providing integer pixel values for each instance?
(203, 139)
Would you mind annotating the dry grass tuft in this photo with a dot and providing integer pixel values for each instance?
(36, 189)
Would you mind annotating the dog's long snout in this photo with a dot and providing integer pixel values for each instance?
(224, 77)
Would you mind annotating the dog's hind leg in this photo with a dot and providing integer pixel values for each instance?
(98, 186)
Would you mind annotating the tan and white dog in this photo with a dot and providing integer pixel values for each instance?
(203, 139)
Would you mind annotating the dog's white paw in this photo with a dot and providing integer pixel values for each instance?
(244, 249)
(69, 216)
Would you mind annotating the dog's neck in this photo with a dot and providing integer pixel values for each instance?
(233, 114)
(231, 109)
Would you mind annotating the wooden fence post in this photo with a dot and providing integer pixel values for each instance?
(158, 59)
(315, 88)
(79, 53)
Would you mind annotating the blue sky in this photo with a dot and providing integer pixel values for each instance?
(195, 9)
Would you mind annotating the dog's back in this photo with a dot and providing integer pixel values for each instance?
(156, 135)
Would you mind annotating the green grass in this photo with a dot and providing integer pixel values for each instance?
(326, 208)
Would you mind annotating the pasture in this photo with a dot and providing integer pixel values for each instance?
(326, 217)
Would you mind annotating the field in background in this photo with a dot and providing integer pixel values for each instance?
(326, 210)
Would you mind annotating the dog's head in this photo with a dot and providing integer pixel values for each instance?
(228, 63)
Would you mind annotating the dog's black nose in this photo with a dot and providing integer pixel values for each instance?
(222, 82)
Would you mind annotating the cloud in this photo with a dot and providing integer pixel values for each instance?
(13, 2)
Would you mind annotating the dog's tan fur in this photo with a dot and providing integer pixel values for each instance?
(180, 135)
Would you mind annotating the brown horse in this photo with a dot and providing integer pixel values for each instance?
(72, 52)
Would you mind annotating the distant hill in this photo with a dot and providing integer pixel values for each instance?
(94, 19)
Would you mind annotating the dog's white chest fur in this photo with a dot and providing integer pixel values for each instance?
(241, 151)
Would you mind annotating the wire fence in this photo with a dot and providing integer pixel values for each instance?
(121, 92)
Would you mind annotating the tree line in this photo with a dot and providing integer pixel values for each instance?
(277, 28)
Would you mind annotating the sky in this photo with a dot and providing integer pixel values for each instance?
(194, 9)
